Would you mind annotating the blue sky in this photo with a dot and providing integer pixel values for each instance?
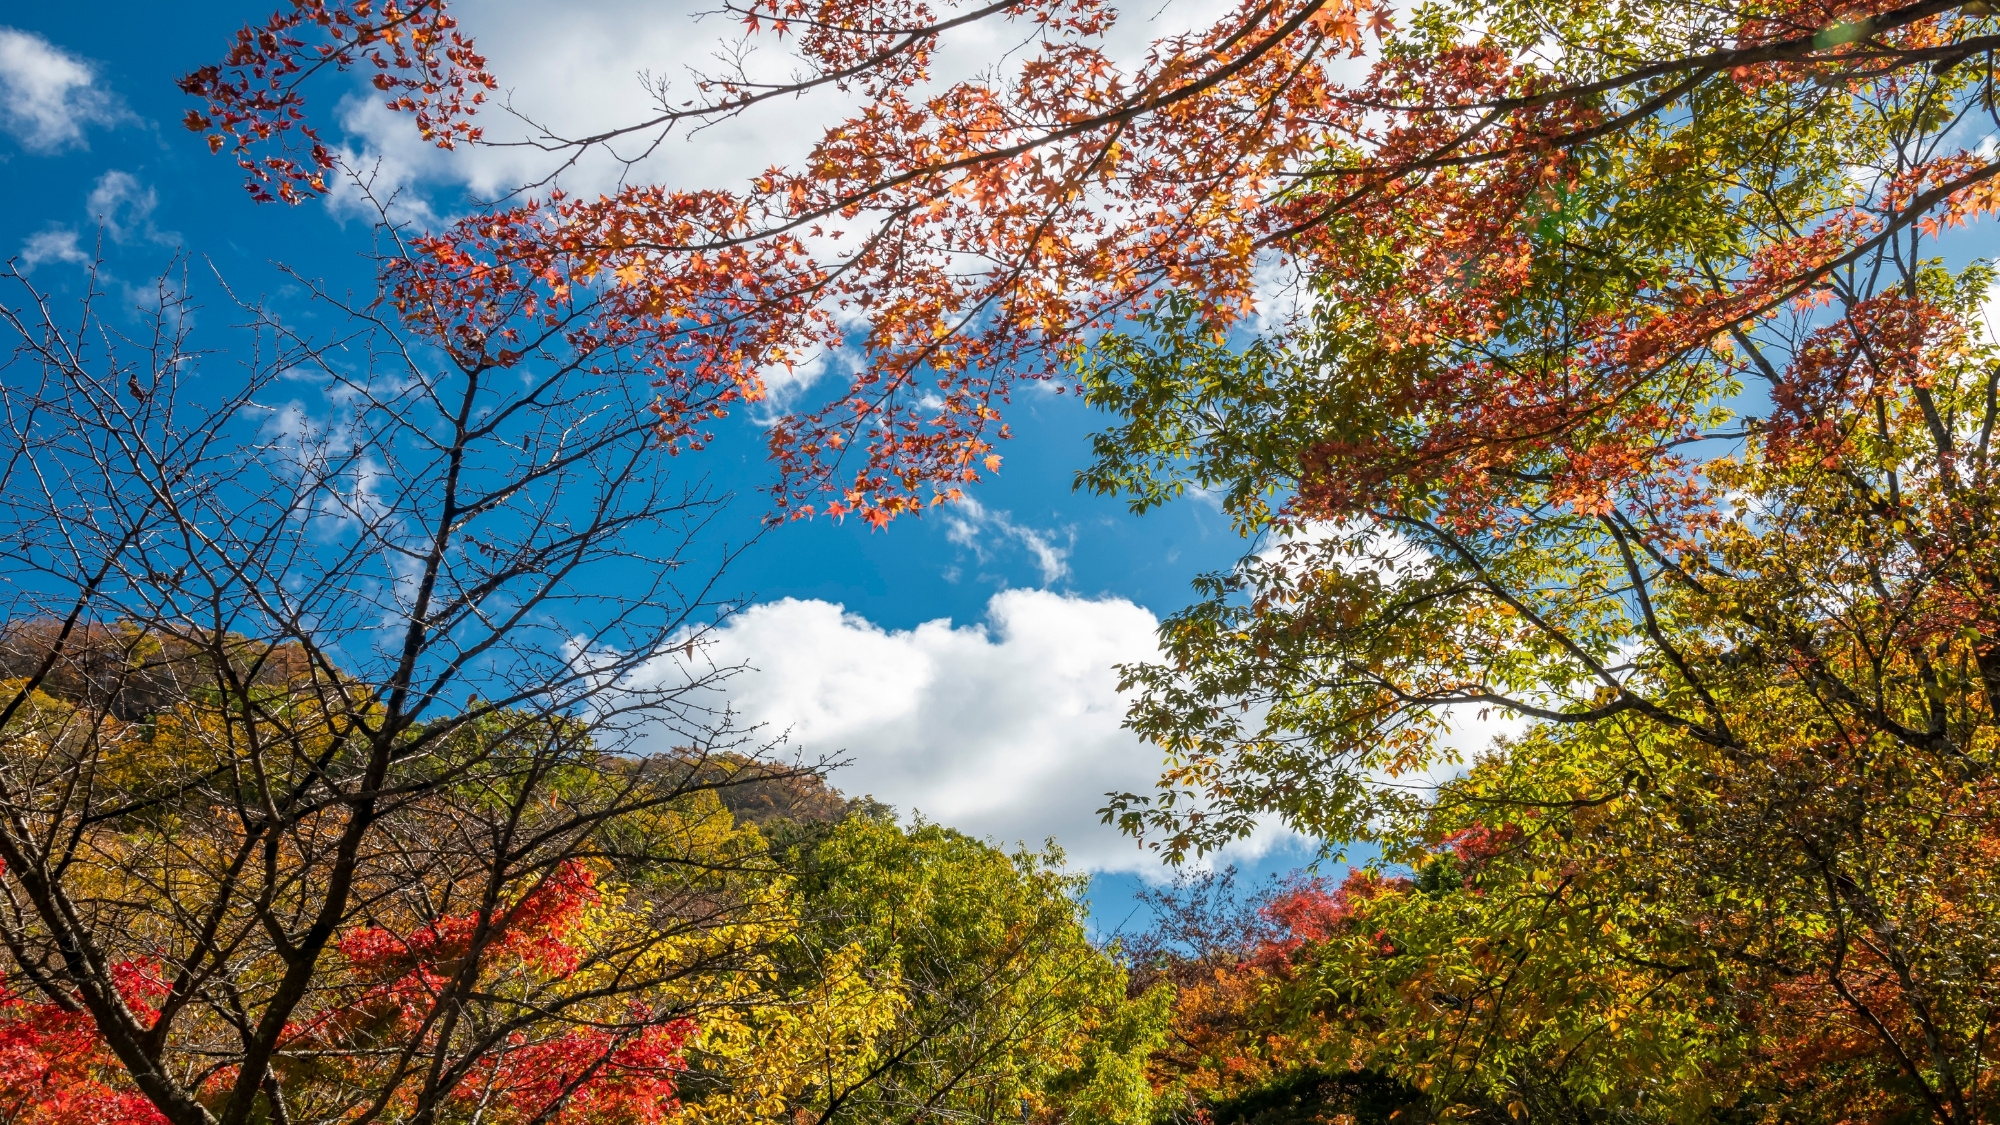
(960, 661)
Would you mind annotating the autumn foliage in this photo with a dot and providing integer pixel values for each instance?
(1637, 397)
(1088, 190)
(352, 842)
(855, 945)
(581, 1075)
(55, 1068)
(413, 52)
(58, 1069)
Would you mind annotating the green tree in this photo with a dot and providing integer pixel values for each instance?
(1009, 1012)
(1684, 458)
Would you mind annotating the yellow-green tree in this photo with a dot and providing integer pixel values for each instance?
(1683, 460)
(1008, 1011)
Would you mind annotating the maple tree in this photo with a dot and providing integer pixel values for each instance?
(989, 225)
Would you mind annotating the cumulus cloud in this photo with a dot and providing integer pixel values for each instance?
(1007, 728)
(48, 97)
(983, 531)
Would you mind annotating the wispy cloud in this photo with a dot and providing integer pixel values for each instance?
(119, 205)
(48, 97)
(981, 530)
(123, 206)
(54, 245)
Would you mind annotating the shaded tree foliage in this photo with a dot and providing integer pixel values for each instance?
(1719, 531)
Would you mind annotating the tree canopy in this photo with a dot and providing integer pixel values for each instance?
(1694, 479)
(830, 967)
(979, 230)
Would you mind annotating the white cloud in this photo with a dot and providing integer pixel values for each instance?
(591, 65)
(370, 186)
(47, 95)
(124, 208)
(981, 530)
(57, 244)
(118, 205)
(1008, 729)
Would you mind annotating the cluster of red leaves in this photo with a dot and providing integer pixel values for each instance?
(1881, 349)
(1474, 846)
(587, 1075)
(54, 1066)
(1238, 1024)
(597, 1077)
(1838, 22)
(983, 224)
(1822, 1056)
(670, 283)
(420, 59)
(55, 1070)
(1306, 913)
(535, 930)
(977, 232)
